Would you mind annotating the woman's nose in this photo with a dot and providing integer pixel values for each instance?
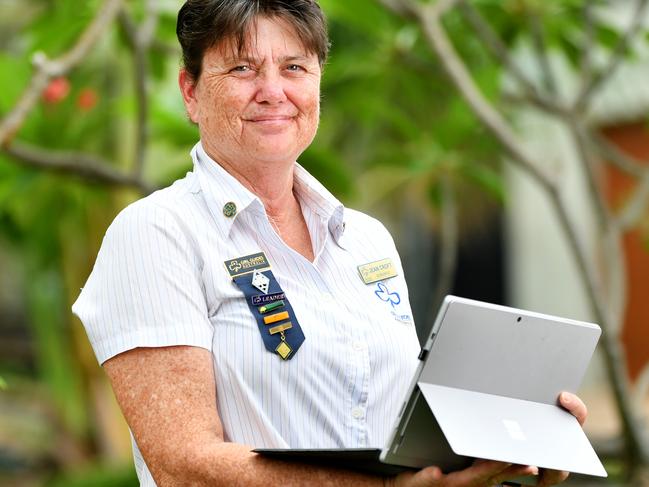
(270, 88)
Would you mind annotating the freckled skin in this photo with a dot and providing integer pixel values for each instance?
(257, 111)
(236, 102)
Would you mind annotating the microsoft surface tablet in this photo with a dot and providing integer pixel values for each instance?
(487, 387)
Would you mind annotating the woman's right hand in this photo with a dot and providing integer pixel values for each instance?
(483, 473)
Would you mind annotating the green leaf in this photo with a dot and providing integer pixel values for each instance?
(14, 75)
(3, 384)
(607, 36)
(365, 17)
(60, 25)
(570, 50)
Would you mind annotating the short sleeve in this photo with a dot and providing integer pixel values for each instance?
(145, 289)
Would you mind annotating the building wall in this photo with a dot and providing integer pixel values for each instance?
(632, 139)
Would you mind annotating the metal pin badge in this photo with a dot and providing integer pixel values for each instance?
(260, 281)
(230, 209)
(276, 317)
(283, 350)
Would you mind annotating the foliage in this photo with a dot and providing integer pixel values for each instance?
(391, 124)
(101, 476)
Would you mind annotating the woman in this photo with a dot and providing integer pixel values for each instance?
(285, 344)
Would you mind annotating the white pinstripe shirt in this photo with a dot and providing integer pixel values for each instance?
(159, 280)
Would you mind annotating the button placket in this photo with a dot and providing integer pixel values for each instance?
(360, 359)
(357, 413)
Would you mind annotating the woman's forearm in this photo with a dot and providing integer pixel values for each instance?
(231, 464)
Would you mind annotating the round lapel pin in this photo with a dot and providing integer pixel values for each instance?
(229, 209)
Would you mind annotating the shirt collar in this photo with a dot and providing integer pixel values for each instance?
(221, 188)
(321, 201)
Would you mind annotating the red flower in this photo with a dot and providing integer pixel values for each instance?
(56, 90)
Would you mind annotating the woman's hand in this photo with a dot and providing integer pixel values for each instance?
(483, 473)
(577, 408)
(488, 473)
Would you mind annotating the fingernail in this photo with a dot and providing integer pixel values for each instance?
(565, 398)
(535, 470)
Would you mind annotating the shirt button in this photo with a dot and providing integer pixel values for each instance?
(357, 413)
(358, 346)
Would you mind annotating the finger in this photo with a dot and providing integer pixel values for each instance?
(574, 405)
(551, 477)
(478, 474)
(515, 471)
(430, 474)
(426, 477)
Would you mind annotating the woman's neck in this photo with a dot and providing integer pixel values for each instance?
(272, 183)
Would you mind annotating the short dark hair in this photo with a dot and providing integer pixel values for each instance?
(203, 24)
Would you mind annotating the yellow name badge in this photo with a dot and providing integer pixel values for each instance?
(377, 271)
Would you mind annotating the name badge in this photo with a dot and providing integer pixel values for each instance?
(377, 271)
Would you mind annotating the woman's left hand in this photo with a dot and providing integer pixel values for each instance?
(577, 408)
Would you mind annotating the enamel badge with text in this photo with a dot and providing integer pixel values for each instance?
(247, 263)
(377, 271)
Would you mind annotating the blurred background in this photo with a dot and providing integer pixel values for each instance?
(503, 142)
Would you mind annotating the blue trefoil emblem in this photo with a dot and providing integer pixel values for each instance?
(384, 294)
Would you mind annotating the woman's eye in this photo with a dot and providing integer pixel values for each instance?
(294, 67)
(240, 69)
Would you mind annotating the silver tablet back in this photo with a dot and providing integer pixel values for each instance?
(478, 356)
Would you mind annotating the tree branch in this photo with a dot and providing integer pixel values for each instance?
(541, 51)
(150, 24)
(633, 210)
(46, 69)
(588, 164)
(84, 166)
(429, 18)
(140, 39)
(593, 83)
(616, 157)
(635, 206)
(492, 41)
(588, 42)
(399, 7)
(541, 103)
(448, 241)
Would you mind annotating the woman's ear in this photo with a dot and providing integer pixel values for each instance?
(188, 89)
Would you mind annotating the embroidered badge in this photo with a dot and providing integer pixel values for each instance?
(383, 293)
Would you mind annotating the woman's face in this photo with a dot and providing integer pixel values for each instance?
(260, 107)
